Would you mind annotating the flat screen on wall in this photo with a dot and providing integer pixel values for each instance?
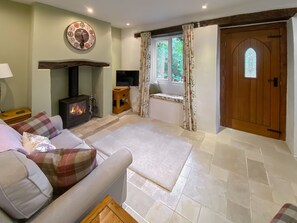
(127, 77)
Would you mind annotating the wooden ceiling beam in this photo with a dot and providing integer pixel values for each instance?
(252, 18)
(235, 20)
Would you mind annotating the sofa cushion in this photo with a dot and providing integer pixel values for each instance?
(24, 189)
(39, 124)
(10, 139)
(154, 88)
(65, 167)
(66, 139)
(33, 142)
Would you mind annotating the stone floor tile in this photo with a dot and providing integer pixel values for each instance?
(261, 190)
(236, 143)
(135, 215)
(185, 171)
(282, 191)
(282, 147)
(199, 160)
(208, 216)
(159, 213)
(208, 145)
(137, 180)
(152, 189)
(282, 171)
(294, 186)
(206, 190)
(238, 190)
(99, 135)
(230, 159)
(171, 198)
(262, 210)
(197, 136)
(237, 213)
(219, 173)
(176, 218)
(188, 208)
(138, 200)
(254, 156)
(273, 157)
(257, 171)
(130, 173)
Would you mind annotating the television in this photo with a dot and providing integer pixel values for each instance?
(127, 78)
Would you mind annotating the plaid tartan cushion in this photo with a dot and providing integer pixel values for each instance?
(65, 167)
(39, 124)
(287, 214)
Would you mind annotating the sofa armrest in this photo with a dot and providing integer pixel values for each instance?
(77, 202)
(57, 122)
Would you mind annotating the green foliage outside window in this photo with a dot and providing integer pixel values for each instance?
(162, 62)
(177, 60)
(162, 59)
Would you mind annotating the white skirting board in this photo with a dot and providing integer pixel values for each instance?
(167, 111)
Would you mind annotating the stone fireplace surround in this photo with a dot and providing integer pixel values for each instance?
(97, 71)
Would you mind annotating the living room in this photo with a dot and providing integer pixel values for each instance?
(35, 33)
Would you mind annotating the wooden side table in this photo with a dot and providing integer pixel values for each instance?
(15, 115)
(121, 99)
(108, 211)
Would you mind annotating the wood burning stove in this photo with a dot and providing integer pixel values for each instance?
(75, 109)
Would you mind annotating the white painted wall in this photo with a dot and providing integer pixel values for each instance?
(173, 111)
(131, 61)
(130, 50)
(291, 127)
(206, 73)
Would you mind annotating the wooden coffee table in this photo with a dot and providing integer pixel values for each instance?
(108, 211)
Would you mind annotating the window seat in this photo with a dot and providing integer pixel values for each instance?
(167, 108)
(168, 97)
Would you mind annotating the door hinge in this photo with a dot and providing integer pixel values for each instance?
(274, 36)
(275, 131)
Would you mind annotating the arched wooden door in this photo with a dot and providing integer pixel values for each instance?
(253, 79)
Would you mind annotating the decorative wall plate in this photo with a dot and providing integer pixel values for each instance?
(80, 35)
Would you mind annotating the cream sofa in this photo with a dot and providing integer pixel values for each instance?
(109, 177)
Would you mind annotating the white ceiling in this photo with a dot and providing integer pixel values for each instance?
(142, 12)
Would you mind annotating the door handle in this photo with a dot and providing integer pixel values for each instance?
(275, 81)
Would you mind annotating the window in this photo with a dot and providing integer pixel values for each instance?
(168, 60)
(250, 63)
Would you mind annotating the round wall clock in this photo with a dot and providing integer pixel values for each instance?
(80, 35)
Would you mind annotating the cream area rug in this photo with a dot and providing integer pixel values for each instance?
(157, 156)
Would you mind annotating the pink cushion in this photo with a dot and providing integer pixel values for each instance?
(10, 139)
(65, 167)
(39, 124)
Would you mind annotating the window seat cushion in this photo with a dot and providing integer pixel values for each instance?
(168, 97)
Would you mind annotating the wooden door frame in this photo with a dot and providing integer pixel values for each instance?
(283, 68)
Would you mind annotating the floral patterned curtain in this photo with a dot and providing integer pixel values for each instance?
(189, 85)
(145, 70)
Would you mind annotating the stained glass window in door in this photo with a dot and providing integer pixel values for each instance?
(250, 63)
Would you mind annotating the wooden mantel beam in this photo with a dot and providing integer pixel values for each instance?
(57, 64)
